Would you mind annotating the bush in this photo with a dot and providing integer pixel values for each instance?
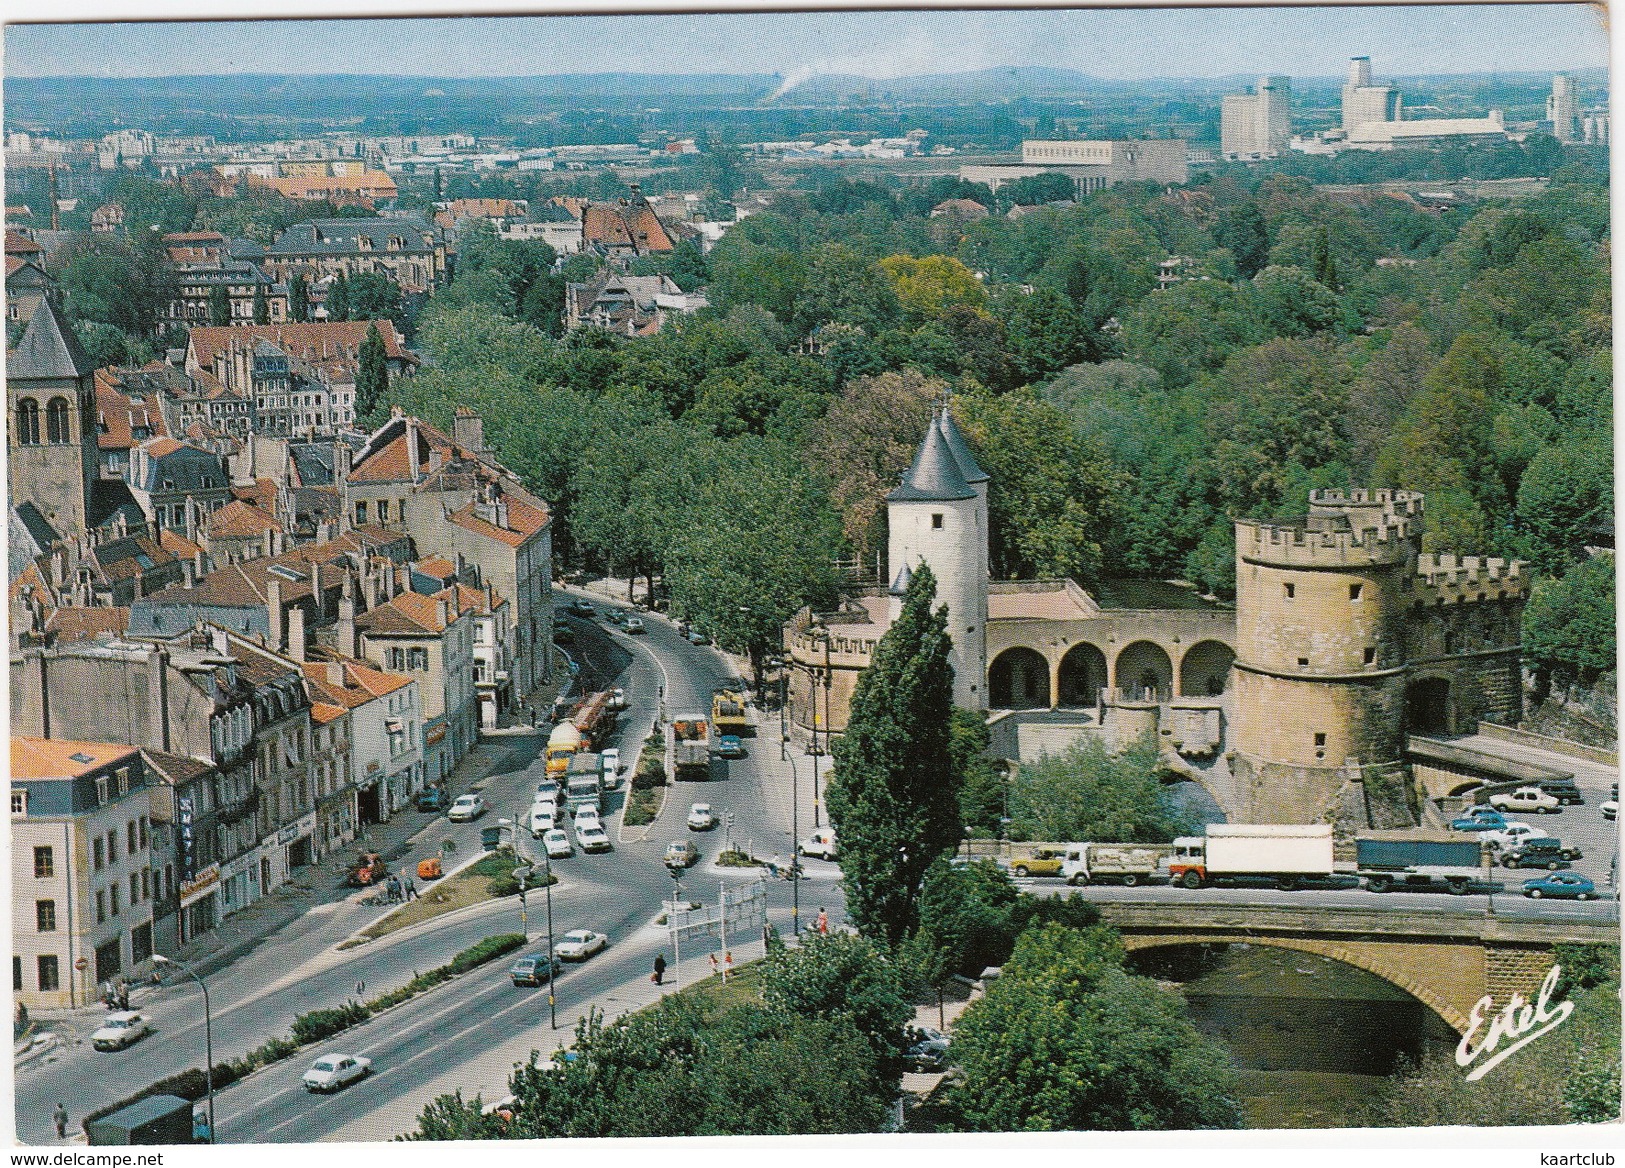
(320, 1024)
(503, 885)
(486, 950)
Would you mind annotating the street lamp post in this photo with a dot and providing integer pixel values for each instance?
(208, 1030)
(552, 1004)
(795, 837)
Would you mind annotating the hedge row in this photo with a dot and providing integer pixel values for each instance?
(192, 1084)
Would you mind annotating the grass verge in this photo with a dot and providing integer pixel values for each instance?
(489, 878)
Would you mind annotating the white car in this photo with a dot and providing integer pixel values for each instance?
(1527, 799)
(541, 820)
(557, 843)
(580, 944)
(547, 791)
(587, 815)
(470, 806)
(1514, 833)
(592, 837)
(701, 817)
(121, 1030)
(612, 766)
(332, 1071)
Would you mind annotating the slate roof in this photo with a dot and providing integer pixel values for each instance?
(968, 469)
(48, 348)
(935, 476)
(338, 236)
(175, 769)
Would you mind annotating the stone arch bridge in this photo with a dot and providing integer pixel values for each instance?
(1447, 961)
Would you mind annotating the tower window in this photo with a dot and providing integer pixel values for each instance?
(1370, 655)
(1355, 590)
(56, 420)
(28, 422)
(936, 520)
(1303, 661)
(1320, 740)
(1288, 590)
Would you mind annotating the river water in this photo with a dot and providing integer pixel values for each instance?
(1312, 1040)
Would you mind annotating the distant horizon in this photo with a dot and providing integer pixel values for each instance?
(1113, 45)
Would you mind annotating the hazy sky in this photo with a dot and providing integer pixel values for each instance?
(1107, 43)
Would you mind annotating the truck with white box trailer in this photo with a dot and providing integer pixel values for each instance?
(1290, 855)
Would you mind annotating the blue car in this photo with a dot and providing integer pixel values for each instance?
(729, 746)
(1560, 884)
(1480, 821)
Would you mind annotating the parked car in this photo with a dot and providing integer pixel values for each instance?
(1560, 884)
(701, 817)
(1563, 788)
(1527, 799)
(682, 854)
(580, 944)
(121, 1029)
(534, 969)
(1043, 862)
(1540, 852)
(432, 799)
(467, 807)
(1610, 809)
(611, 759)
(582, 607)
(547, 791)
(588, 815)
(1479, 820)
(593, 837)
(557, 843)
(634, 624)
(698, 638)
(332, 1071)
(541, 820)
(1509, 835)
(729, 746)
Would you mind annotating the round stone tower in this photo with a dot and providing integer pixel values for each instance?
(938, 517)
(1320, 651)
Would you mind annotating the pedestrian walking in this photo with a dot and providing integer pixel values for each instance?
(360, 988)
(395, 889)
(727, 964)
(660, 969)
(411, 889)
(823, 922)
(60, 1118)
(715, 968)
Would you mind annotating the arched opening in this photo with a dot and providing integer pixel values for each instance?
(1143, 670)
(56, 420)
(1082, 676)
(1427, 706)
(1289, 1016)
(1018, 679)
(28, 422)
(1205, 670)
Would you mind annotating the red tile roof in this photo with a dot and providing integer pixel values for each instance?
(18, 244)
(78, 623)
(178, 545)
(309, 341)
(239, 520)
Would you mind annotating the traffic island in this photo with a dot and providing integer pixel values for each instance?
(488, 878)
(647, 796)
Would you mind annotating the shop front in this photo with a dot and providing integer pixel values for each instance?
(199, 903)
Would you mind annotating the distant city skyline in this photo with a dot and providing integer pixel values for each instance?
(1115, 44)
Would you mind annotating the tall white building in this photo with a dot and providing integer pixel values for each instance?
(1563, 109)
(1257, 124)
(1365, 103)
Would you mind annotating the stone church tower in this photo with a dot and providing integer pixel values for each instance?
(938, 516)
(51, 407)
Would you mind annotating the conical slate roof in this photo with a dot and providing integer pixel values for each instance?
(968, 469)
(48, 348)
(935, 476)
(905, 577)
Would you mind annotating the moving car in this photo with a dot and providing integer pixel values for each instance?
(580, 944)
(611, 760)
(729, 746)
(587, 815)
(701, 817)
(1509, 835)
(432, 799)
(1560, 884)
(634, 624)
(593, 837)
(547, 791)
(682, 854)
(1043, 862)
(1479, 820)
(534, 970)
(1527, 799)
(541, 820)
(467, 807)
(121, 1029)
(557, 843)
(819, 843)
(1610, 809)
(583, 608)
(332, 1071)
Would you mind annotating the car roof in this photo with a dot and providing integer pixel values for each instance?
(123, 1015)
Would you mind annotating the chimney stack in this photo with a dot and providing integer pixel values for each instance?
(335, 674)
(296, 632)
(273, 610)
(346, 630)
(442, 611)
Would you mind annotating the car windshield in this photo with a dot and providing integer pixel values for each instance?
(119, 1023)
(578, 935)
(323, 1065)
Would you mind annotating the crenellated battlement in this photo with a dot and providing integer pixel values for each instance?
(1456, 579)
(1392, 503)
(1297, 545)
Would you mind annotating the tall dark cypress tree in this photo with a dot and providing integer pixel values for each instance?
(338, 298)
(219, 306)
(373, 378)
(262, 306)
(299, 298)
(893, 797)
